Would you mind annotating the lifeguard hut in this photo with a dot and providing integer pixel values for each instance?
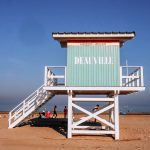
(93, 68)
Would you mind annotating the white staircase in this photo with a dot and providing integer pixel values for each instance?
(28, 106)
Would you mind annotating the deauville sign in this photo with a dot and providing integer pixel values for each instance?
(93, 60)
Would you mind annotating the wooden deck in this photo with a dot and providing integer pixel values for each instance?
(94, 90)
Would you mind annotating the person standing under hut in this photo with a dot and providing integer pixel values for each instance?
(96, 108)
(65, 112)
(55, 112)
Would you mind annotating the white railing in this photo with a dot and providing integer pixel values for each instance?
(55, 79)
(27, 106)
(131, 76)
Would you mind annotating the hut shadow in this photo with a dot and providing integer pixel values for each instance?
(58, 124)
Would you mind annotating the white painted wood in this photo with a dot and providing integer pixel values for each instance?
(51, 77)
(91, 127)
(57, 77)
(126, 83)
(69, 133)
(130, 66)
(92, 132)
(40, 96)
(133, 81)
(56, 66)
(142, 77)
(29, 105)
(135, 78)
(81, 127)
(105, 121)
(67, 88)
(129, 82)
(116, 117)
(92, 99)
(138, 80)
(129, 77)
(112, 115)
(93, 115)
(90, 35)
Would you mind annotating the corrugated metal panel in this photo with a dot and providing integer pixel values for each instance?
(92, 66)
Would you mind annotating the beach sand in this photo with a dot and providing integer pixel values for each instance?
(134, 135)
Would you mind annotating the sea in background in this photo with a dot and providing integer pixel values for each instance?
(61, 102)
(49, 107)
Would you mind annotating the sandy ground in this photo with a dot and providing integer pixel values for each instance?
(134, 135)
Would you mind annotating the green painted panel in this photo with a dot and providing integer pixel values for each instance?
(93, 65)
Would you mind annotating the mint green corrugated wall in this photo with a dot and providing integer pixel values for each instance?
(84, 73)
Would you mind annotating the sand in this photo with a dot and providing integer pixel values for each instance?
(134, 135)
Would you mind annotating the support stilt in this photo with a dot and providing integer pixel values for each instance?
(116, 111)
(69, 134)
(110, 126)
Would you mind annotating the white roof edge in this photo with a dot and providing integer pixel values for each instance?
(127, 35)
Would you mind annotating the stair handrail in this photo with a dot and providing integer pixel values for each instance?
(19, 106)
(27, 97)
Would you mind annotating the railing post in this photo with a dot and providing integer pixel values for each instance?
(133, 80)
(142, 77)
(138, 80)
(130, 79)
(127, 79)
(120, 76)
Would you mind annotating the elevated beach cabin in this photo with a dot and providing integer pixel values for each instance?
(93, 68)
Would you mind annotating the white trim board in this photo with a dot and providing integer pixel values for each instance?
(66, 88)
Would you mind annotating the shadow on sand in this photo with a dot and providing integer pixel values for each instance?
(58, 124)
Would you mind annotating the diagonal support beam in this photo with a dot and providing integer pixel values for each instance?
(93, 115)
